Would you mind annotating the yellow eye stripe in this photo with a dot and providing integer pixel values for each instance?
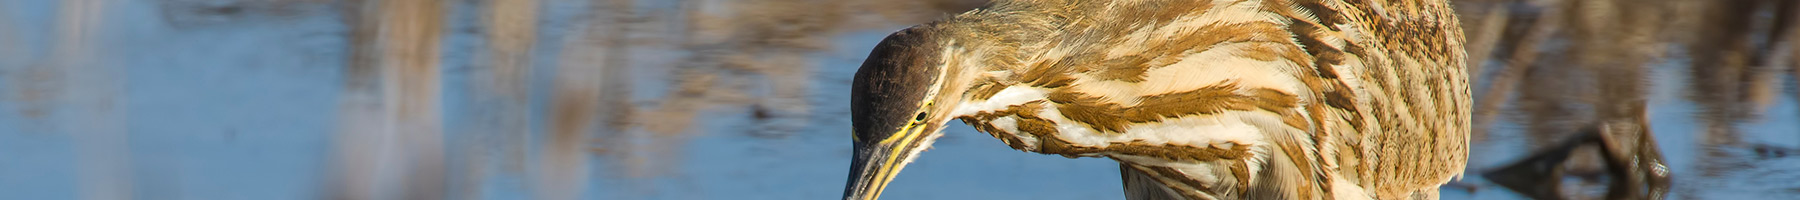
(889, 169)
(897, 135)
(906, 129)
(891, 138)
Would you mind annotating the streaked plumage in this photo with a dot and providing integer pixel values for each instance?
(1228, 99)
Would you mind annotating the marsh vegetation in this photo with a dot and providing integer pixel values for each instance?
(710, 99)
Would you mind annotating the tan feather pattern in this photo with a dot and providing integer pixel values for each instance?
(1231, 99)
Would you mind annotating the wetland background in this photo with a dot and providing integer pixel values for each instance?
(744, 99)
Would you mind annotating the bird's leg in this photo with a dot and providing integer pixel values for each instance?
(1633, 161)
(1540, 176)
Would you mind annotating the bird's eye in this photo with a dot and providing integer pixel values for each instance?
(921, 117)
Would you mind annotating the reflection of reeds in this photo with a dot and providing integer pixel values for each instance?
(1722, 59)
(1614, 41)
(1501, 85)
(754, 55)
(391, 142)
(583, 98)
(25, 82)
(1573, 62)
(500, 132)
(96, 117)
(15, 82)
(735, 47)
(358, 107)
(11, 49)
(1730, 78)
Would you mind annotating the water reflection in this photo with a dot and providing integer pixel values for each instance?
(611, 99)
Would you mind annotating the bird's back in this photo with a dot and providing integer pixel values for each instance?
(1301, 99)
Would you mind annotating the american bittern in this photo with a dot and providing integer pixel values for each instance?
(1222, 99)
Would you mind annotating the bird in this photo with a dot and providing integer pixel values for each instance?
(1195, 99)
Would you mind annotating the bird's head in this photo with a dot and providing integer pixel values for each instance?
(900, 101)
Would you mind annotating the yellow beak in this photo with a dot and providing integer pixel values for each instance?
(874, 165)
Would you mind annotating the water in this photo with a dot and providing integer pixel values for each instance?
(245, 107)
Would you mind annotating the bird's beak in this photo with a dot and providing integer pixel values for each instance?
(876, 163)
